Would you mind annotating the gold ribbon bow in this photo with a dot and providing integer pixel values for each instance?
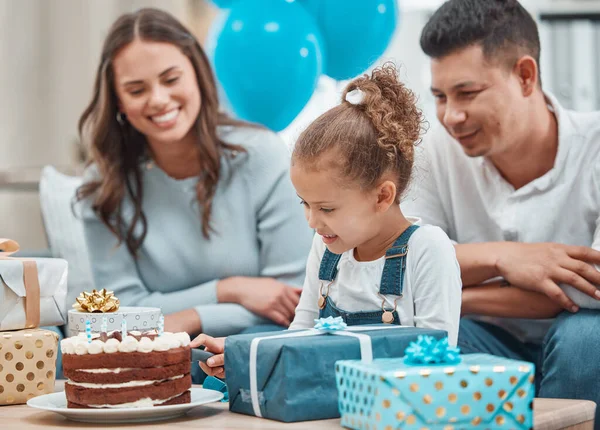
(97, 301)
(30, 280)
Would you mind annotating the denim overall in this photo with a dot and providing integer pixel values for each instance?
(392, 282)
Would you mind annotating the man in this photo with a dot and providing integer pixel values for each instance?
(514, 179)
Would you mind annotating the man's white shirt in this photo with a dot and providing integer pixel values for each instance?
(469, 199)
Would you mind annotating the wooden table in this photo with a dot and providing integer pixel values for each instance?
(549, 415)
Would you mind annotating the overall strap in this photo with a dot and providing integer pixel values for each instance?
(328, 268)
(392, 278)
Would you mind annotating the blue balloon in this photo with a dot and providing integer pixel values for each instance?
(355, 32)
(223, 4)
(268, 58)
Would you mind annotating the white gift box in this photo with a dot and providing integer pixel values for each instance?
(137, 318)
(33, 291)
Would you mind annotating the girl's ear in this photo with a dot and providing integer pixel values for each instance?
(386, 195)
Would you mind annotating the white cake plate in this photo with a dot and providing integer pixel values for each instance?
(57, 402)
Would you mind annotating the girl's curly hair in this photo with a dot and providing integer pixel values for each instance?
(372, 138)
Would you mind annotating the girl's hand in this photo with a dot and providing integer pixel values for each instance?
(266, 297)
(214, 365)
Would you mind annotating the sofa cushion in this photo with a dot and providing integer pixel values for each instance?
(64, 228)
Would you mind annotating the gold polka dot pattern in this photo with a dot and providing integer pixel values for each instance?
(28, 364)
(488, 393)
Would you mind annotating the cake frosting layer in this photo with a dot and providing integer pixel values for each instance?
(114, 343)
(119, 396)
(128, 384)
(109, 376)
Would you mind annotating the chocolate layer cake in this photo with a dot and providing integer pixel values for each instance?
(140, 370)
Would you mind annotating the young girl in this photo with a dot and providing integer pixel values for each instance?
(369, 264)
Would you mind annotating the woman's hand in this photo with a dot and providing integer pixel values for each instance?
(187, 321)
(266, 297)
(214, 365)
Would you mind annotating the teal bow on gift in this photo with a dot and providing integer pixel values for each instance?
(429, 350)
(330, 324)
(212, 383)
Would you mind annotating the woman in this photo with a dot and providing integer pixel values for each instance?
(185, 209)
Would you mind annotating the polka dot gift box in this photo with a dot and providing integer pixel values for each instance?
(433, 387)
(102, 307)
(27, 364)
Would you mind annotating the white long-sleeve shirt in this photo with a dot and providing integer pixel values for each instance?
(432, 286)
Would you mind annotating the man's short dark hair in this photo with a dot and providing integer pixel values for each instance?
(504, 29)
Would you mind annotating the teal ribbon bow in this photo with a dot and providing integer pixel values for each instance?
(330, 324)
(212, 383)
(429, 350)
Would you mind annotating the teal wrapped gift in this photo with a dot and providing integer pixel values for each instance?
(290, 376)
(480, 391)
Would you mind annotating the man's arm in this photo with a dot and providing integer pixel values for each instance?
(535, 267)
(478, 262)
(496, 300)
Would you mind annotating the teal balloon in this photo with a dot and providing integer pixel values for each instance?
(355, 32)
(267, 59)
(223, 4)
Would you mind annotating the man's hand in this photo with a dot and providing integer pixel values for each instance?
(541, 267)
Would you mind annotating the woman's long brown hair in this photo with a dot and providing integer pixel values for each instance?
(118, 150)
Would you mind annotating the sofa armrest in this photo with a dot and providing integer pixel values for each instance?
(34, 253)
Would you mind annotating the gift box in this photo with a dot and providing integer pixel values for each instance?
(27, 364)
(137, 318)
(290, 376)
(33, 291)
(479, 391)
